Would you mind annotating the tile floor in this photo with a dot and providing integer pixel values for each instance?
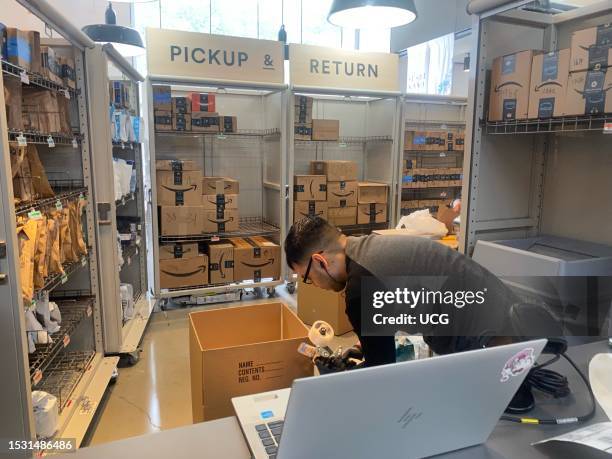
(155, 393)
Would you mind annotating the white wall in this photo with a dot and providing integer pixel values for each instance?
(460, 81)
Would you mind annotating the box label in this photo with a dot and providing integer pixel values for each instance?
(509, 109)
(508, 64)
(550, 66)
(546, 107)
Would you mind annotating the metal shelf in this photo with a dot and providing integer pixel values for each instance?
(64, 373)
(41, 204)
(73, 313)
(56, 280)
(125, 199)
(217, 288)
(39, 138)
(363, 228)
(249, 226)
(435, 185)
(442, 153)
(36, 79)
(551, 125)
(350, 140)
(125, 145)
(240, 133)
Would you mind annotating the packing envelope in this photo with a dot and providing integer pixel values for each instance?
(600, 375)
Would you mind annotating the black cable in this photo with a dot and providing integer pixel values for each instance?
(555, 384)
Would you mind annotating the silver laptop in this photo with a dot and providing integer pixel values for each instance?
(407, 410)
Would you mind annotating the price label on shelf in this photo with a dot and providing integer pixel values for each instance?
(75, 143)
(215, 239)
(607, 128)
(89, 311)
(23, 76)
(442, 154)
(84, 262)
(35, 215)
(81, 197)
(50, 142)
(129, 261)
(342, 145)
(66, 94)
(221, 136)
(58, 205)
(122, 146)
(66, 340)
(443, 194)
(37, 377)
(64, 278)
(21, 140)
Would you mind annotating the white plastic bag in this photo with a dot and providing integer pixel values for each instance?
(421, 223)
(127, 301)
(46, 413)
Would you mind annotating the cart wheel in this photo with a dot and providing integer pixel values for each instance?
(241, 293)
(163, 304)
(259, 292)
(133, 358)
(114, 376)
(271, 292)
(291, 287)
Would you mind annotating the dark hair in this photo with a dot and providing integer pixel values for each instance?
(308, 236)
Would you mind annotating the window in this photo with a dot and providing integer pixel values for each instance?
(234, 17)
(430, 66)
(190, 15)
(315, 28)
(375, 40)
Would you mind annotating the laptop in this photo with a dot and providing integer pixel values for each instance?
(411, 409)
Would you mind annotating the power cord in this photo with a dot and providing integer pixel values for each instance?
(553, 383)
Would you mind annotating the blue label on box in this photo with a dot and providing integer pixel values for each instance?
(407, 178)
(266, 414)
(419, 140)
(18, 47)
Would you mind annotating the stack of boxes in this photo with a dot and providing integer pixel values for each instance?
(432, 177)
(341, 177)
(219, 205)
(303, 118)
(204, 117)
(162, 108)
(310, 196)
(372, 202)
(181, 114)
(439, 140)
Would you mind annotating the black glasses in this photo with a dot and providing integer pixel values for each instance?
(307, 272)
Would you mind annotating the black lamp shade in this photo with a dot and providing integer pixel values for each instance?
(364, 14)
(127, 41)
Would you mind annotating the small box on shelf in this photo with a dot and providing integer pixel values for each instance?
(181, 106)
(162, 98)
(219, 185)
(175, 250)
(220, 262)
(325, 129)
(183, 272)
(371, 213)
(228, 124)
(181, 220)
(309, 188)
(162, 120)
(204, 122)
(256, 258)
(342, 216)
(181, 122)
(303, 209)
(220, 221)
(510, 77)
(342, 194)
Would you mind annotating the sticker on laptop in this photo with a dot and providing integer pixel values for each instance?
(518, 364)
(266, 414)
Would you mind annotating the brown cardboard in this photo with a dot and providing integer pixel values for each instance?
(181, 220)
(549, 74)
(183, 272)
(342, 194)
(302, 131)
(162, 99)
(181, 105)
(24, 49)
(372, 192)
(447, 215)
(220, 221)
(220, 262)
(342, 216)
(588, 93)
(68, 71)
(50, 65)
(303, 109)
(181, 122)
(303, 209)
(228, 124)
(176, 164)
(256, 258)
(242, 350)
(309, 187)
(180, 188)
(510, 77)
(213, 202)
(591, 49)
(371, 213)
(204, 122)
(203, 102)
(219, 185)
(336, 171)
(314, 304)
(325, 129)
(162, 120)
(180, 250)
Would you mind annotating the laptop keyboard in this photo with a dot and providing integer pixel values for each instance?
(270, 434)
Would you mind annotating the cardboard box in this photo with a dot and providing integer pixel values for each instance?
(181, 106)
(204, 122)
(302, 131)
(179, 188)
(240, 351)
(176, 165)
(50, 65)
(162, 120)
(228, 124)
(68, 71)
(510, 77)
(303, 109)
(309, 188)
(314, 304)
(549, 74)
(588, 93)
(219, 185)
(220, 262)
(342, 216)
(220, 221)
(23, 49)
(325, 129)
(372, 193)
(256, 258)
(591, 49)
(371, 213)
(335, 171)
(183, 272)
(203, 102)
(303, 209)
(181, 220)
(342, 194)
(162, 99)
(178, 250)
(213, 202)
(181, 122)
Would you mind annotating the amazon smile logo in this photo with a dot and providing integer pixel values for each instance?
(177, 189)
(508, 83)
(548, 83)
(260, 265)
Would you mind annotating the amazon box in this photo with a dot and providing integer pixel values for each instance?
(342, 216)
(203, 102)
(220, 221)
(342, 194)
(255, 258)
(371, 213)
(181, 106)
(212, 202)
(179, 188)
(219, 185)
(204, 122)
(175, 165)
(303, 209)
(588, 93)
(181, 122)
(228, 124)
(591, 48)
(220, 262)
(302, 131)
(372, 193)
(240, 351)
(183, 272)
(162, 99)
(23, 49)
(325, 129)
(548, 84)
(335, 171)
(314, 304)
(181, 220)
(162, 120)
(309, 188)
(510, 78)
(178, 250)
(303, 109)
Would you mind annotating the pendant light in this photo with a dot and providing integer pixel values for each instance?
(125, 40)
(366, 14)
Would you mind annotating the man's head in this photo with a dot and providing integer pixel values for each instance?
(315, 249)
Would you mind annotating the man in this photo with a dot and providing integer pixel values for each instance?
(323, 256)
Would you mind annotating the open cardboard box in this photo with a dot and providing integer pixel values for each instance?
(240, 351)
(317, 304)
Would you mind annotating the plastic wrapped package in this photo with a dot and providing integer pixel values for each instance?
(40, 253)
(43, 314)
(117, 179)
(46, 413)
(127, 301)
(40, 183)
(77, 228)
(34, 328)
(26, 236)
(54, 312)
(55, 260)
(66, 252)
(423, 224)
(12, 101)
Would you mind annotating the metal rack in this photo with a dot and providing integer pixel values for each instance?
(35, 79)
(43, 138)
(54, 281)
(45, 203)
(221, 135)
(351, 140)
(549, 126)
(249, 226)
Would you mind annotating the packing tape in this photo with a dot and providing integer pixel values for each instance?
(321, 333)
